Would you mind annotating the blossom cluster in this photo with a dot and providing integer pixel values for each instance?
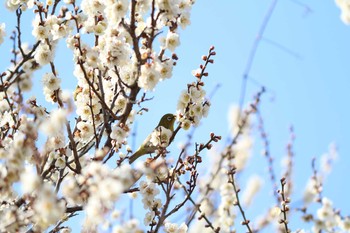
(111, 69)
(57, 159)
(193, 105)
(344, 6)
(149, 191)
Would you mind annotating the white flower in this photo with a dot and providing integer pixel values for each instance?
(59, 31)
(66, 230)
(184, 20)
(52, 20)
(253, 187)
(165, 68)
(47, 207)
(55, 122)
(161, 136)
(170, 227)
(6, 118)
(127, 74)
(149, 77)
(196, 110)
(326, 213)
(71, 40)
(121, 102)
(174, 228)
(100, 28)
(196, 73)
(94, 212)
(197, 94)
(185, 97)
(43, 54)
(344, 5)
(84, 111)
(40, 32)
(30, 181)
(171, 8)
(86, 130)
(51, 82)
(185, 124)
(149, 191)
(243, 151)
(116, 11)
(172, 41)
(345, 224)
(71, 190)
(148, 218)
(310, 192)
(118, 133)
(2, 32)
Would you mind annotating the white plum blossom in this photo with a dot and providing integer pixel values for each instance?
(114, 51)
(71, 191)
(128, 74)
(47, 207)
(192, 105)
(148, 190)
(43, 54)
(175, 228)
(344, 6)
(2, 33)
(172, 41)
(59, 31)
(170, 8)
(130, 226)
(161, 136)
(149, 77)
(104, 188)
(226, 212)
(184, 20)
(185, 124)
(41, 32)
(165, 68)
(253, 186)
(149, 217)
(54, 123)
(242, 151)
(119, 134)
(51, 82)
(115, 10)
(30, 181)
(86, 131)
(66, 230)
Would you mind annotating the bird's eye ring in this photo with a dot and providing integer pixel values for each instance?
(169, 118)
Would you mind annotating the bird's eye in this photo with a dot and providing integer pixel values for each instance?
(169, 118)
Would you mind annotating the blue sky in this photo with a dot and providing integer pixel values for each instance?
(307, 87)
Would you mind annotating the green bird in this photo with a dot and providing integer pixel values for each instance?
(167, 121)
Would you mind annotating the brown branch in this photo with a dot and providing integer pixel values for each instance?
(285, 207)
(267, 154)
(74, 148)
(245, 221)
(318, 183)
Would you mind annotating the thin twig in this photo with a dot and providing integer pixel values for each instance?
(253, 51)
